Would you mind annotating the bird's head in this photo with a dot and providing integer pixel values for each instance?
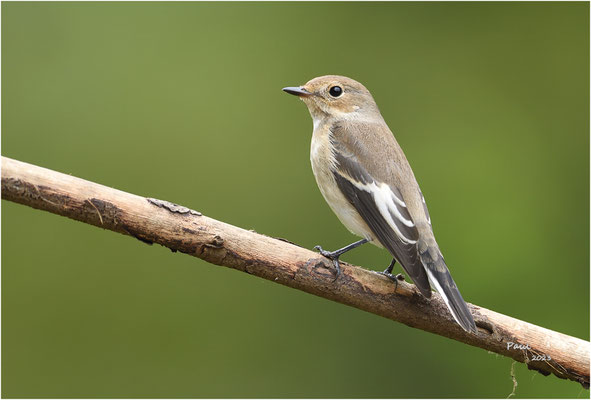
(335, 96)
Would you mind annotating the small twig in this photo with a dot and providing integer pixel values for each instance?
(513, 379)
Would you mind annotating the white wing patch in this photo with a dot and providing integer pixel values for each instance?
(425, 208)
(439, 289)
(384, 199)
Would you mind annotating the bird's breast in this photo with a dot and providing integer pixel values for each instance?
(323, 162)
(322, 158)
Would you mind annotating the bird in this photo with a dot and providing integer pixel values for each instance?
(368, 183)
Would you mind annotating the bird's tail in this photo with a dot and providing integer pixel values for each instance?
(441, 280)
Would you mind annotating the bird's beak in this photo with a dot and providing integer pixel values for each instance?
(297, 91)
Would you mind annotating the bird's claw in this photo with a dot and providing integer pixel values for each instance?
(394, 278)
(397, 277)
(322, 251)
(333, 257)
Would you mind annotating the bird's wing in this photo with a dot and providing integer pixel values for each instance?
(382, 207)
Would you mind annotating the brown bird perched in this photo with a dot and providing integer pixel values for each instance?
(368, 183)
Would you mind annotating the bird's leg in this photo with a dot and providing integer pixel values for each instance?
(334, 255)
(388, 271)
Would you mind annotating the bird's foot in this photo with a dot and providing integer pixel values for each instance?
(395, 278)
(334, 257)
(392, 277)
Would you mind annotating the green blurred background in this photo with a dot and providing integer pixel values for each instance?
(183, 102)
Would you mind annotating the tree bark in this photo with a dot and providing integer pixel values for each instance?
(190, 232)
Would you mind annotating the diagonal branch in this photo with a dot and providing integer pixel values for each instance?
(187, 231)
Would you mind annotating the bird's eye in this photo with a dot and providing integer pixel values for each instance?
(335, 91)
